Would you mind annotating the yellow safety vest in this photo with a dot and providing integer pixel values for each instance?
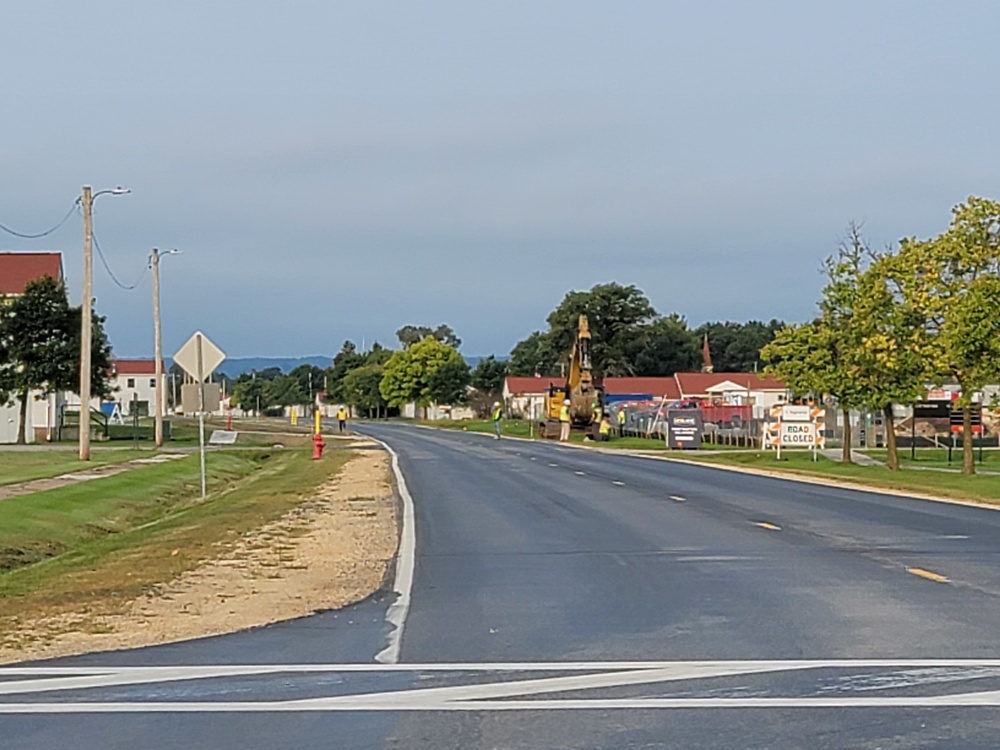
(564, 414)
(341, 415)
(621, 417)
(605, 427)
(497, 414)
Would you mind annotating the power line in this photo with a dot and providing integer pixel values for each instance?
(104, 262)
(47, 232)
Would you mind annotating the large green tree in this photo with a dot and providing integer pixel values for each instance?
(950, 284)
(616, 315)
(361, 389)
(40, 347)
(664, 347)
(534, 356)
(408, 372)
(449, 383)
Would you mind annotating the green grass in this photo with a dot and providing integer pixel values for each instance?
(117, 537)
(981, 488)
(23, 466)
(937, 458)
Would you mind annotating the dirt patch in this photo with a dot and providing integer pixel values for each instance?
(332, 550)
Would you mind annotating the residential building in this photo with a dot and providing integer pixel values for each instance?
(133, 382)
(16, 271)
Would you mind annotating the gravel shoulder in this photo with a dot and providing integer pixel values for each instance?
(334, 549)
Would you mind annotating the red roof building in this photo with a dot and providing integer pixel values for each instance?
(17, 269)
(704, 384)
(135, 367)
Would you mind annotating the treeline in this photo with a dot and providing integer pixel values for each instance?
(427, 368)
(893, 322)
(630, 338)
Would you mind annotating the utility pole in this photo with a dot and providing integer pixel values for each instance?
(87, 201)
(154, 264)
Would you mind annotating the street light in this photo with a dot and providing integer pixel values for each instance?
(154, 264)
(87, 204)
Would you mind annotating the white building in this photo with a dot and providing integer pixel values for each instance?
(16, 270)
(133, 382)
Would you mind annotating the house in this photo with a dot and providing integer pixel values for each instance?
(526, 395)
(16, 270)
(133, 382)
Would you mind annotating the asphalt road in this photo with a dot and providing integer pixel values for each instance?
(563, 598)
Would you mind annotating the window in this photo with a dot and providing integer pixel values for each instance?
(152, 382)
(130, 383)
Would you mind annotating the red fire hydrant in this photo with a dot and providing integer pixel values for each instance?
(318, 446)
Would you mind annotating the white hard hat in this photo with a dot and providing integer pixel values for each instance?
(566, 402)
(496, 403)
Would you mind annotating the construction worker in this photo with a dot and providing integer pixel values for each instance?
(497, 417)
(621, 421)
(604, 431)
(564, 422)
(342, 418)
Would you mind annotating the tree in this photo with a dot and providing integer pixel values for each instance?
(309, 381)
(533, 356)
(40, 346)
(408, 372)
(449, 383)
(410, 335)
(664, 347)
(949, 284)
(361, 389)
(861, 349)
(616, 314)
(252, 393)
(378, 355)
(285, 390)
(488, 376)
(735, 347)
(347, 359)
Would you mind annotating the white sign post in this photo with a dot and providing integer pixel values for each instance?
(199, 357)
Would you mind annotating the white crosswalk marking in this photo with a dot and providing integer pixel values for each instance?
(506, 687)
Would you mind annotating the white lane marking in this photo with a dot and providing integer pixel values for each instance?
(533, 458)
(955, 536)
(580, 473)
(496, 695)
(402, 584)
(678, 499)
(554, 465)
(618, 484)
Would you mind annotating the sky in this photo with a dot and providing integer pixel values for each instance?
(334, 171)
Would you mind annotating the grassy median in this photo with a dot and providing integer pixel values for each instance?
(100, 544)
(980, 488)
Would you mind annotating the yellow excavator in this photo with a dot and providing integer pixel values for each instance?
(585, 397)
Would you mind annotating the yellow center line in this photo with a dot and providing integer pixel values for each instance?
(768, 526)
(928, 574)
